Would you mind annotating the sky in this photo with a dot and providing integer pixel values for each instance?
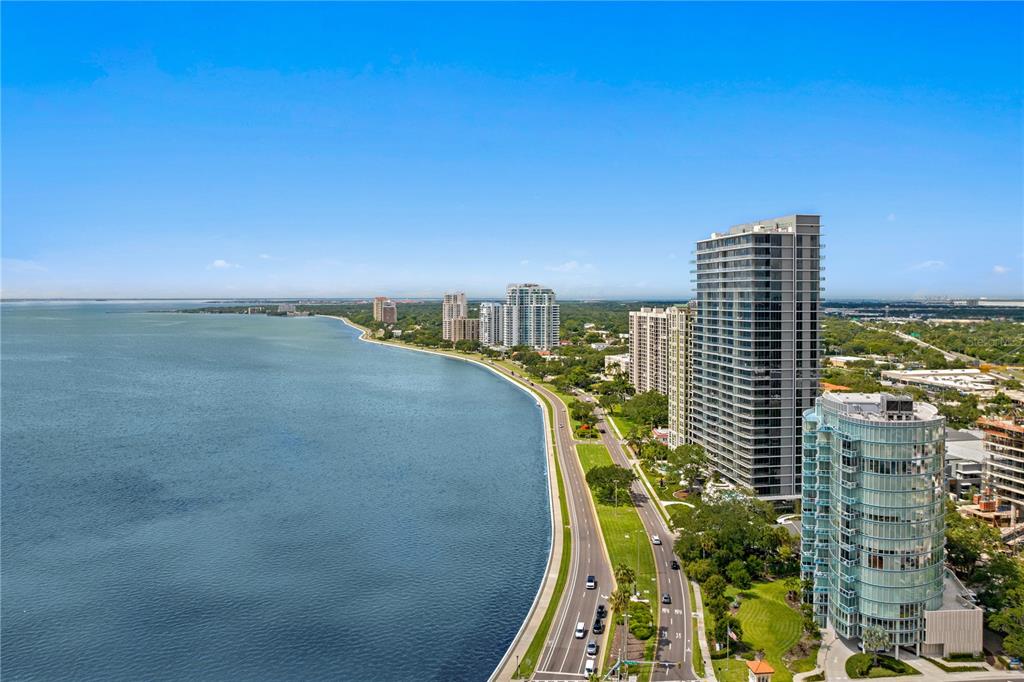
(279, 150)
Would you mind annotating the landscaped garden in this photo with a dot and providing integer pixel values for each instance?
(860, 666)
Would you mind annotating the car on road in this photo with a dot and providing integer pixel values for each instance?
(602, 611)
(666, 598)
(590, 667)
(655, 540)
(591, 582)
(598, 626)
(675, 565)
(592, 647)
(581, 630)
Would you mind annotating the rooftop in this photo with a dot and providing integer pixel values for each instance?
(781, 224)
(760, 667)
(882, 407)
(955, 596)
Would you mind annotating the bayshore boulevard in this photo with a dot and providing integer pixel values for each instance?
(562, 656)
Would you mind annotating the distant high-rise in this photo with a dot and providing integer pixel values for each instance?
(530, 316)
(453, 307)
(648, 350)
(490, 324)
(378, 307)
(465, 329)
(756, 342)
(873, 523)
(680, 334)
(389, 313)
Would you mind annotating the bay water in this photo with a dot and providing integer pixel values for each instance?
(214, 497)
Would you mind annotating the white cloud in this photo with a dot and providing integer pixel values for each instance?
(570, 266)
(891, 217)
(266, 256)
(928, 265)
(221, 264)
(524, 262)
(1000, 269)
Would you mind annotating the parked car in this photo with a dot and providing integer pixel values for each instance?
(581, 630)
(666, 598)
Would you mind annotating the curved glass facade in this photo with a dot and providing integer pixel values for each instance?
(873, 524)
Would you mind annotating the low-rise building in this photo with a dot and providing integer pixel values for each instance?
(616, 364)
(1004, 458)
(844, 360)
(936, 380)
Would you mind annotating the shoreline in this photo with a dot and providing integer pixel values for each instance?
(531, 623)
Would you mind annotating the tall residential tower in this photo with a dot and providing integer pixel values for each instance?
(453, 307)
(679, 320)
(873, 524)
(648, 350)
(530, 317)
(756, 350)
(490, 324)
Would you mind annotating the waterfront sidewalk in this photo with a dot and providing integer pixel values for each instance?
(702, 638)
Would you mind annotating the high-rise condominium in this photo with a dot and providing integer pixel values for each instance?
(454, 306)
(756, 350)
(378, 307)
(465, 329)
(648, 350)
(530, 316)
(679, 321)
(873, 523)
(490, 324)
(389, 313)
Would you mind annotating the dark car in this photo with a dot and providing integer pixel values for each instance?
(675, 565)
(666, 598)
(598, 626)
(602, 611)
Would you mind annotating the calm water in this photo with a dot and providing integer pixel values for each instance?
(232, 497)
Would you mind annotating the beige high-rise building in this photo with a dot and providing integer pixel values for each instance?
(453, 307)
(648, 350)
(378, 307)
(465, 329)
(680, 335)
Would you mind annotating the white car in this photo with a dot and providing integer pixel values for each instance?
(591, 582)
(655, 540)
(581, 630)
(591, 667)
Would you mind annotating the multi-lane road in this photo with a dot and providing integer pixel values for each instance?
(564, 656)
(673, 655)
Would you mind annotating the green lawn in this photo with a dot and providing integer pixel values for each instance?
(769, 623)
(731, 670)
(623, 532)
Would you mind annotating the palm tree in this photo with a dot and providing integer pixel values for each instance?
(624, 575)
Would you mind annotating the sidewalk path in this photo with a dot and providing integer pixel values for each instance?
(705, 653)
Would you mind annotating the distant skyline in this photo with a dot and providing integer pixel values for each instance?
(347, 150)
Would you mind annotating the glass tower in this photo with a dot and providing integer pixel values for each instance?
(873, 513)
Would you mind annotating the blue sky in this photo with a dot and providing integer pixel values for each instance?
(351, 149)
